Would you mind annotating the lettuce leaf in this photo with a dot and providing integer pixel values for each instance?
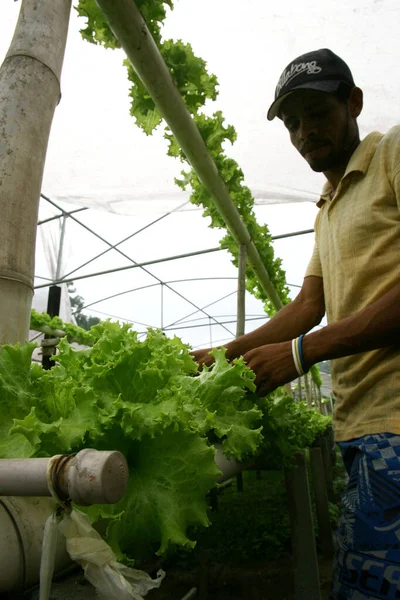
(170, 476)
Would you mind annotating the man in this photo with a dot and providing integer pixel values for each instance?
(353, 276)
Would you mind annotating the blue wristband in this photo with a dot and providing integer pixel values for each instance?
(300, 349)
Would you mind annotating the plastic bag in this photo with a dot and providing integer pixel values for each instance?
(48, 556)
(111, 579)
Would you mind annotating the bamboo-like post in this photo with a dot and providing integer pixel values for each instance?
(321, 502)
(29, 94)
(305, 561)
(319, 398)
(313, 393)
(308, 391)
(300, 383)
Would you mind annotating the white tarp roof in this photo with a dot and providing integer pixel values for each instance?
(97, 157)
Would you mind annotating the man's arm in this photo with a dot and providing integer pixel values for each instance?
(376, 326)
(295, 318)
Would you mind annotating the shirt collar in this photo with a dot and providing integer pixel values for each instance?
(359, 162)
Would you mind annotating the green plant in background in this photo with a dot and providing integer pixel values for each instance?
(56, 326)
(288, 426)
(334, 512)
(249, 526)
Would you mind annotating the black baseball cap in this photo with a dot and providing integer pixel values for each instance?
(320, 70)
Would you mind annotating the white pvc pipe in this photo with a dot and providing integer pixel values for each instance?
(229, 467)
(21, 526)
(131, 31)
(24, 477)
(90, 477)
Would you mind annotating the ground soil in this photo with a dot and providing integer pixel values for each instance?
(272, 580)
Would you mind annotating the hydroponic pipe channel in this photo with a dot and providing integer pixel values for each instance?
(131, 31)
(89, 477)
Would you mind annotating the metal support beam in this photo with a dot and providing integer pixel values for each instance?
(162, 306)
(126, 268)
(53, 309)
(61, 247)
(63, 214)
(142, 266)
(241, 295)
(114, 246)
(241, 318)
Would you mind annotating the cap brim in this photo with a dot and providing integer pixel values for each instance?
(318, 86)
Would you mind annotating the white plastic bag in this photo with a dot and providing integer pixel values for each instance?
(48, 556)
(111, 579)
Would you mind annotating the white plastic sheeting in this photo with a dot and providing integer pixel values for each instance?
(97, 157)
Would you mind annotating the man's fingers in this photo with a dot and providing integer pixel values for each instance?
(205, 362)
(202, 357)
(263, 389)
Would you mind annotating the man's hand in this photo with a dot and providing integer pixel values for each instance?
(203, 357)
(273, 365)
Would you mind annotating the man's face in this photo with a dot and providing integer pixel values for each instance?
(319, 128)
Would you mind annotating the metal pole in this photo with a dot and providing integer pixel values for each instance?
(241, 295)
(162, 306)
(53, 303)
(198, 310)
(115, 246)
(299, 383)
(59, 216)
(53, 309)
(61, 247)
(126, 256)
(134, 266)
(241, 318)
(131, 31)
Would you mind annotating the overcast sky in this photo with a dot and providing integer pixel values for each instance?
(97, 156)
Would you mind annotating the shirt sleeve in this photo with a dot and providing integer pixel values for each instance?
(314, 266)
(393, 164)
(396, 187)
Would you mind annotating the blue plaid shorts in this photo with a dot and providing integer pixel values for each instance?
(367, 554)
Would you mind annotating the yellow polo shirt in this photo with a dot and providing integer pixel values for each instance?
(357, 253)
